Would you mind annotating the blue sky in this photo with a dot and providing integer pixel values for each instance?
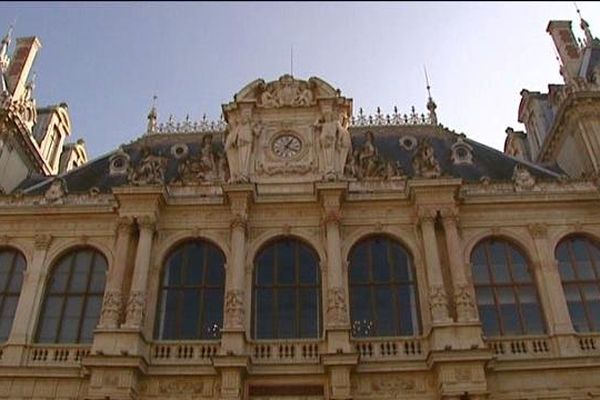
(107, 60)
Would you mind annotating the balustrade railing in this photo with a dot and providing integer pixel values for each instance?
(383, 349)
(183, 352)
(589, 343)
(285, 352)
(522, 347)
(57, 355)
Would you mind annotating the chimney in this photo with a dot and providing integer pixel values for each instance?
(20, 64)
(567, 47)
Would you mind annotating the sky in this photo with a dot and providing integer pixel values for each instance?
(107, 60)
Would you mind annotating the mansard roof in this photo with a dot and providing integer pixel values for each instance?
(396, 146)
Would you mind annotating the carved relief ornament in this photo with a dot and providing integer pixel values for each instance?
(234, 309)
(136, 308)
(150, 170)
(337, 311)
(111, 309)
(424, 162)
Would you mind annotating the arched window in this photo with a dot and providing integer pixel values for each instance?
(579, 267)
(191, 294)
(507, 298)
(73, 298)
(383, 293)
(12, 266)
(287, 292)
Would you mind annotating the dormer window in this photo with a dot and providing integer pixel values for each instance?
(462, 152)
(119, 163)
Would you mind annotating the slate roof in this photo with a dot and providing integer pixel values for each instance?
(487, 162)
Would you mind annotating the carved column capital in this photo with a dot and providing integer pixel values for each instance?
(239, 221)
(449, 216)
(146, 223)
(124, 225)
(332, 216)
(42, 242)
(538, 230)
(425, 215)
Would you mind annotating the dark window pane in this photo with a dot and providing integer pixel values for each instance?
(401, 266)
(385, 312)
(58, 283)
(286, 319)
(489, 320)
(264, 317)
(47, 330)
(215, 274)
(309, 313)
(381, 267)
(190, 314)
(481, 273)
(363, 321)
(565, 269)
(359, 271)
(285, 263)
(264, 267)
(80, 272)
(213, 314)
(385, 303)
(285, 305)
(308, 266)
(194, 274)
(407, 305)
(174, 266)
(562, 252)
(98, 279)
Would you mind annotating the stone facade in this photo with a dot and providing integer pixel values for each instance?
(289, 161)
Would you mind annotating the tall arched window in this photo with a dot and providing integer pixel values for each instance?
(287, 292)
(507, 298)
(12, 266)
(191, 293)
(383, 293)
(579, 267)
(73, 298)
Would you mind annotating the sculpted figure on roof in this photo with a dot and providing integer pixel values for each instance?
(424, 161)
(150, 170)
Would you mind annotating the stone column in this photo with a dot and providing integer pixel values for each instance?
(337, 320)
(438, 298)
(136, 304)
(32, 290)
(112, 305)
(233, 340)
(463, 295)
(549, 284)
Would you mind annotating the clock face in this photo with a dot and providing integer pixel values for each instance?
(287, 146)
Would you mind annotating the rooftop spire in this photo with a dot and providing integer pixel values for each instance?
(589, 39)
(152, 117)
(431, 106)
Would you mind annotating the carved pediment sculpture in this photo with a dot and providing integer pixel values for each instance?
(286, 92)
(150, 170)
(522, 178)
(424, 161)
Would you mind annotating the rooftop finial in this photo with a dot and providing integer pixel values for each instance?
(4, 60)
(30, 86)
(585, 27)
(431, 106)
(152, 117)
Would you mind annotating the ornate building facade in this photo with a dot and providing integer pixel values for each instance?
(295, 251)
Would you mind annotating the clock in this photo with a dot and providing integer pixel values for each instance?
(286, 146)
